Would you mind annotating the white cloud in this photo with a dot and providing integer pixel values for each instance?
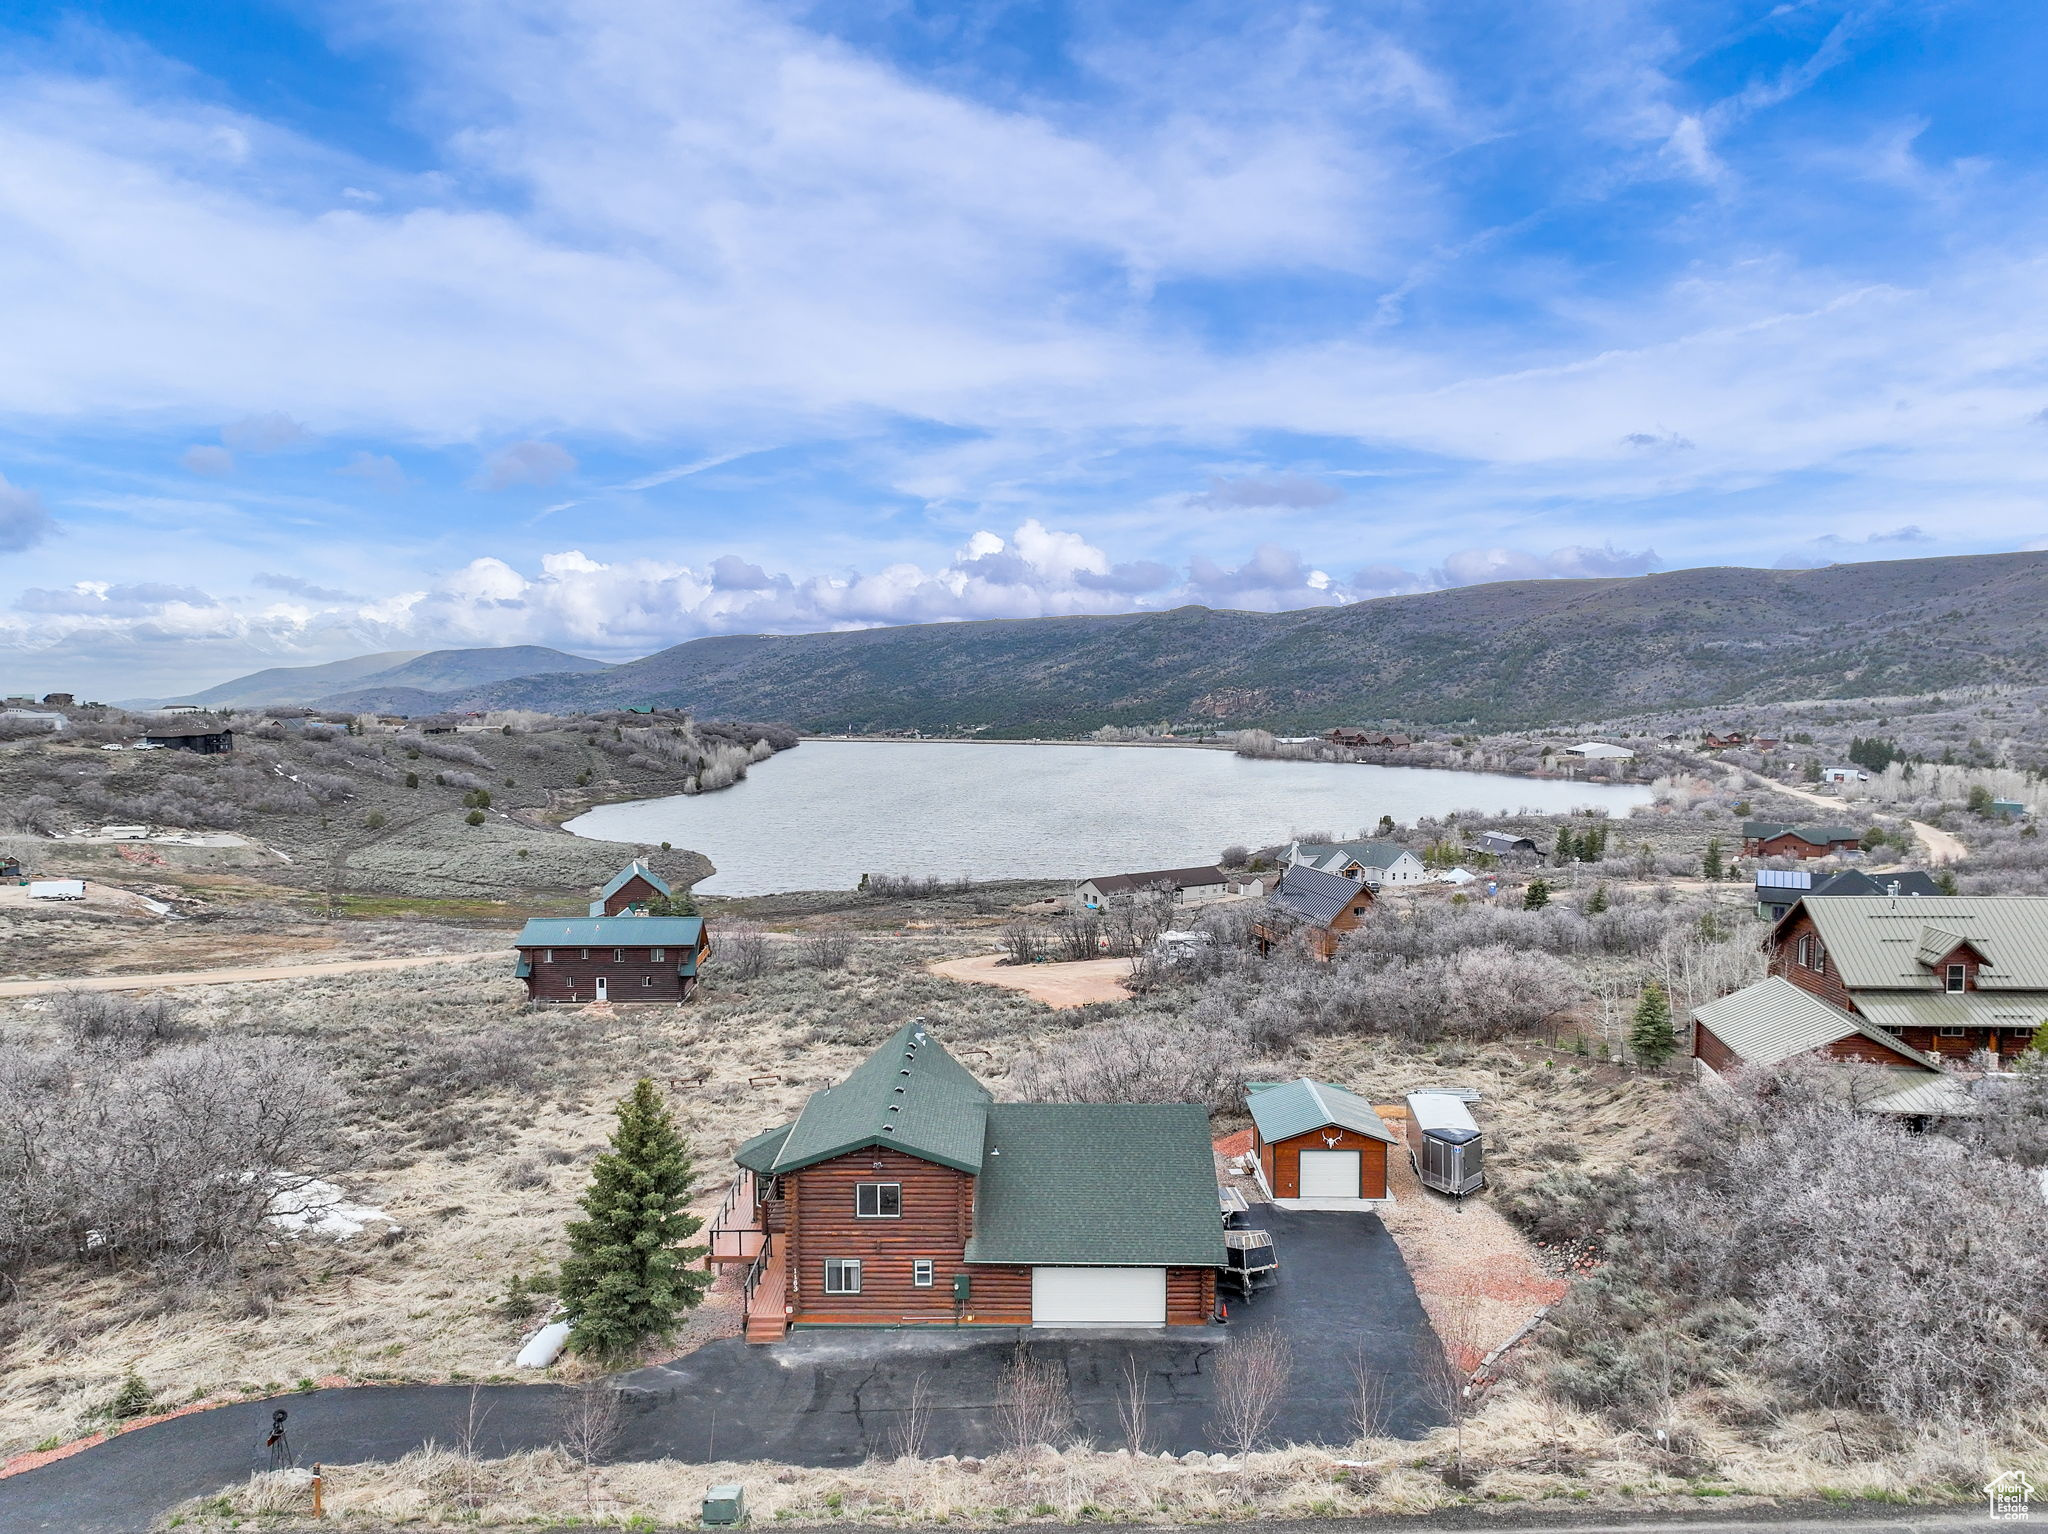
(272, 433)
(527, 463)
(380, 470)
(23, 520)
(1256, 490)
(1832, 548)
(1471, 567)
(204, 458)
(104, 599)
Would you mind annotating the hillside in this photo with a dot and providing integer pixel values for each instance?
(1512, 653)
(404, 670)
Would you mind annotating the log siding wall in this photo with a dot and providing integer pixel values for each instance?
(635, 891)
(571, 977)
(937, 1218)
(1826, 983)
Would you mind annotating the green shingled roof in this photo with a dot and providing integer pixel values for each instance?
(1289, 1108)
(909, 1094)
(759, 1153)
(1097, 1185)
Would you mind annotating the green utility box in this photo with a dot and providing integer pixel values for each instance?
(725, 1504)
(963, 1288)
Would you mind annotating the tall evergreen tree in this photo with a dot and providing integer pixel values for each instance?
(1598, 902)
(1650, 1033)
(629, 1278)
(1536, 896)
(1710, 865)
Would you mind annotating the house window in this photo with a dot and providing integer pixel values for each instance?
(547, 956)
(1820, 956)
(647, 980)
(1806, 953)
(1958, 977)
(1952, 1030)
(921, 1272)
(618, 956)
(656, 955)
(842, 1275)
(583, 953)
(878, 1200)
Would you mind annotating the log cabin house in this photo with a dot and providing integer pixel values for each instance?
(210, 738)
(611, 958)
(1324, 905)
(1948, 975)
(1317, 1146)
(906, 1196)
(1776, 839)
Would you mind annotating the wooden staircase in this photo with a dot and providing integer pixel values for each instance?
(766, 1295)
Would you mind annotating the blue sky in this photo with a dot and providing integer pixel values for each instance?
(606, 324)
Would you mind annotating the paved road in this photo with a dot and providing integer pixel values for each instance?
(171, 979)
(1074, 984)
(820, 1397)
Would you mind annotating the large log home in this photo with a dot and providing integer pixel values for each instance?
(629, 890)
(906, 1196)
(1324, 906)
(611, 958)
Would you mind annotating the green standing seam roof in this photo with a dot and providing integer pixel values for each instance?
(1880, 945)
(1097, 1185)
(909, 1094)
(625, 876)
(1285, 1109)
(611, 932)
(1774, 1020)
(759, 1153)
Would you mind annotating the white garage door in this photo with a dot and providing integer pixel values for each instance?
(1098, 1296)
(1329, 1174)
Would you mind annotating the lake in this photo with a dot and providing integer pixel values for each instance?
(824, 814)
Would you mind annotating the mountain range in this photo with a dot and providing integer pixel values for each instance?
(417, 670)
(1505, 654)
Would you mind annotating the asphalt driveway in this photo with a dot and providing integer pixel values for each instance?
(823, 1397)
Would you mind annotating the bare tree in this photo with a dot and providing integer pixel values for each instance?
(1032, 1403)
(587, 1418)
(1024, 941)
(1138, 1063)
(742, 952)
(1446, 1381)
(1372, 1398)
(1132, 1402)
(1251, 1382)
(914, 1422)
(824, 948)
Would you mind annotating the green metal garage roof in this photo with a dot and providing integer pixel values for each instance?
(1098, 1185)
(1285, 1109)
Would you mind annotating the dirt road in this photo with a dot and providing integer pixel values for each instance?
(174, 979)
(1939, 845)
(1057, 985)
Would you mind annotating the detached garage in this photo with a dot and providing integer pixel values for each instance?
(1318, 1146)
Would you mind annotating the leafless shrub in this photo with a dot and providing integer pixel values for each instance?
(587, 1420)
(1132, 1401)
(464, 1065)
(118, 1021)
(910, 886)
(914, 1421)
(1251, 1381)
(742, 952)
(173, 1157)
(1024, 942)
(1136, 1063)
(824, 948)
(1033, 1406)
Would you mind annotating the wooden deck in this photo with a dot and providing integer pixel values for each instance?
(738, 1231)
(766, 1290)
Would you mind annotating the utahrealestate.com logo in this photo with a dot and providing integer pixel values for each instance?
(2010, 1494)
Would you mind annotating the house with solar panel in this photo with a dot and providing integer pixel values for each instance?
(905, 1195)
(612, 958)
(1780, 889)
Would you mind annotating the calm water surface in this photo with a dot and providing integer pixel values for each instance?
(824, 814)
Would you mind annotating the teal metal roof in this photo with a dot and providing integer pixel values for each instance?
(1098, 1185)
(626, 876)
(759, 1153)
(909, 1094)
(611, 932)
(1292, 1108)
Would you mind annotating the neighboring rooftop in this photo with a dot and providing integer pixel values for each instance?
(610, 931)
(1816, 835)
(1884, 945)
(1313, 895)
(1177, 878)
(1365, 854)
(625, 876)
(1774, 1020)
(1285, 1109)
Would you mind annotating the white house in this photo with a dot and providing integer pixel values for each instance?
(1189, 886)
(1599, 751)
(1844, 775)
(1378, 864)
